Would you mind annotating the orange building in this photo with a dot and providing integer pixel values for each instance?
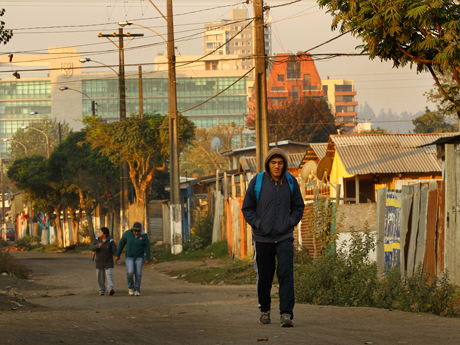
(292, 78)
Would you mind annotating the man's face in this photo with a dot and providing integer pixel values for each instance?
(276, 166)
(136, 232)
(101, 234)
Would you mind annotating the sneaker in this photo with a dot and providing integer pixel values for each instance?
(286, 321)
(131, 292)
(265, 318)
(111, 292)
(137, 293)
(101, 294)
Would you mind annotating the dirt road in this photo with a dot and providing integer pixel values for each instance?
(171, 311)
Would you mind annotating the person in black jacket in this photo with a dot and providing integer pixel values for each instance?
(105, 249)
(272, 218)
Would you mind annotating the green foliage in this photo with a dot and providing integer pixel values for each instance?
(198, 159)
(5, 35)
(309, 121)
(142, 143)
(201, 235)
(423, 34)
(349, 278)
(9, 264)
(320, 218)
(28, 242)
(433, 122)
(34, 141)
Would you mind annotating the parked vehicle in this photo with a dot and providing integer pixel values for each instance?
(9, 234)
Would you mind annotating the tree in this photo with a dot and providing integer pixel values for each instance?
(199, 159)
(309, 120)
(415, 32)
(142, 143)
(44, 185)
(36, 141)
(433, 122)
(435, 96)
(5, 35)
(94, 176)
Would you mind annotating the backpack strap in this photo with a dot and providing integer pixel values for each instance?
(258, 186)
(260, 178)
(290, 181)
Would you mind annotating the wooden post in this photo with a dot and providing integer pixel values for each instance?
(233, 187)
(451, 206)
(357, 189)
(381, 203)
(225, 225)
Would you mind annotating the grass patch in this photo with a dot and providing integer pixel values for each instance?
(10, 265)
(216, 250)
(236, 272)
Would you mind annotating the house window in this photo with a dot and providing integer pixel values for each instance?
(280, 77)
(293, 70)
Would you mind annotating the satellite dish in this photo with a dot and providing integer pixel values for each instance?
(215, 144)
(308, 169)
(324, 168)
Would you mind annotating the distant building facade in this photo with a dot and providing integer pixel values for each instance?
(341, 97)
(37, 94)
(242, 46)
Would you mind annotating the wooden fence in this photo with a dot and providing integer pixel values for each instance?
(410, 222)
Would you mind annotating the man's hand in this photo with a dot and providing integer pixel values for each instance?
(146, 262)
(100, 245)
(117, 258)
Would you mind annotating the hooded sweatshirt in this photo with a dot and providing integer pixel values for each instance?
(276, 213)
(104, 254)
(135, 245)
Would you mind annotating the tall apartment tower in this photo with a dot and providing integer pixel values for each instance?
(217, 33)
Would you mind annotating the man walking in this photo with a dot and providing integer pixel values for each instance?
(273, 205)
(104, 248)
(137, 243)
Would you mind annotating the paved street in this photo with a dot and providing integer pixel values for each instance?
(171, 311)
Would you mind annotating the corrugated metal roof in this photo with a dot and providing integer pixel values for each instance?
(249, 163)
(320, 149)
(387, 153)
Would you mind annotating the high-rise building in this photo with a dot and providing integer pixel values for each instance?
(242, 45)
(341, 97)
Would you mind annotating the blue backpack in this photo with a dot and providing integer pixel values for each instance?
(259, 179)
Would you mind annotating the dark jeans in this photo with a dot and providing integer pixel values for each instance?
(265, 257)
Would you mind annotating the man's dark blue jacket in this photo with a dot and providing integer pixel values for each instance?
(276, 213)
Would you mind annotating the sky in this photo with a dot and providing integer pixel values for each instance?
(300, 26)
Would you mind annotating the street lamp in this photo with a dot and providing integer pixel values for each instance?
(83, 60)
(93, 103)
(16, 141)
(129, 23)
(46, 136)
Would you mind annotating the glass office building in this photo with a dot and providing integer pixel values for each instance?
(230, 106)
(18, 99)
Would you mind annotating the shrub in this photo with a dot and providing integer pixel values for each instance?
(349, 278)
(28, 242)
(10, 265)
(201, 235)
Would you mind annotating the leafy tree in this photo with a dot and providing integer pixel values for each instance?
(94, 176)
(423, 33)
(309, 120)
(36, 141)
(433, 122)
(142, 143)
(435, 96)
(5, 35)
(44, 185)
(199, 159)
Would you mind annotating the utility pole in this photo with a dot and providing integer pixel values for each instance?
(175, 211)
(3, 204)
(260, 86)
(124, 220)
(141, 95)
(93, 107)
